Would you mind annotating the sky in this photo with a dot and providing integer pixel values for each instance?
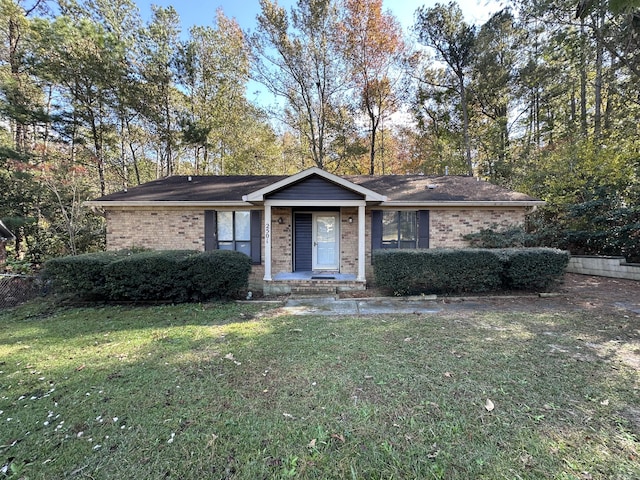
(202, 12)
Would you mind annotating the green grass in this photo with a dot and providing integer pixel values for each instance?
(238, 392)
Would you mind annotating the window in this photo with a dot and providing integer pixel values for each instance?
(234, 231)
(399, 229)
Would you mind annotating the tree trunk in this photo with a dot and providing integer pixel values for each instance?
(597, 118)
(465, 124)
(583, 80)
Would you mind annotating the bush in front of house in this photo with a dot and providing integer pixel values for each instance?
(533, 268)
(469, 270)
(175, 276)
(82, 275)
(438, 270)
(217, 274)
(148, 276)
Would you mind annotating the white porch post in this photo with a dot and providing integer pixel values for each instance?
(267, 242)
(361, 241)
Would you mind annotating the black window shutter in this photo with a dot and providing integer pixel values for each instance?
(210, 230)
(256, 236)
(376, 229)
(423, 228)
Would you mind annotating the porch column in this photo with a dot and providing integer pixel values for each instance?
(361, 241)
(267, 242)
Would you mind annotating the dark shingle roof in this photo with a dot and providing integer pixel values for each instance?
(397, 188)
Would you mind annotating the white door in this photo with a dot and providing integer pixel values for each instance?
(326, 241)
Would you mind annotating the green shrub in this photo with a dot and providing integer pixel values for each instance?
(218, 274)
(534, 268)
(494, 237)
(438, 270)
(468, 270)
(175, 276)
(82, 275)
(152, 275)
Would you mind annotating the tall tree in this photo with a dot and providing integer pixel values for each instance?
(82, 58)
(296, 56)
(494, 71)
(444, 29)
(22, 97)
(374, 48)
(158, 44)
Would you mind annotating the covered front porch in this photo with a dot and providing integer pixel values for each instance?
(314, 233)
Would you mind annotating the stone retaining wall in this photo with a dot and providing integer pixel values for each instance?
(615, 267)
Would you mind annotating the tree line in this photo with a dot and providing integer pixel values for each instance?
(543, 97)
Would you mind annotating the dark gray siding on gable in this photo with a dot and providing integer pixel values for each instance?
(315, 188)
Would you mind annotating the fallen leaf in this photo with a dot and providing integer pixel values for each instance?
(408, 339)
(81, 367)
(337, 437)
(489, 405)
(448, 374)
(605, 402)
(312, 443)
(229, 356)
(287, 415)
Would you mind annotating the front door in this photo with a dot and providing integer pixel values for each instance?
(326, 241)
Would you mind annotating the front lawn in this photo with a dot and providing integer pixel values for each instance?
(242, 392)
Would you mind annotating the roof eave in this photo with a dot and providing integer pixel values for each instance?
(163, 203)
(466, 203)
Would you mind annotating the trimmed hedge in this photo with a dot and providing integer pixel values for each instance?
(83, 275)
(534, 268)
(149, 276)
(176, 275)
(218, 274)
(467, 270)
(438, 270)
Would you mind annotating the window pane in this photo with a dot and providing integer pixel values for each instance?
(244, 247)
(225, 226)
(225, 245)
(243, 226)
(389, 227)
(408, 226)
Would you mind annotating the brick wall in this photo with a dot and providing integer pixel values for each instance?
(349, 241)
(281, 240)
(184, 229)
(167, 229)
(447, 226)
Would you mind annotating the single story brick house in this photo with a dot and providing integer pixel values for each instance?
(311, 230)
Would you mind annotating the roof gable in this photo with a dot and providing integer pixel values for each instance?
(362, 192)
(314, 188)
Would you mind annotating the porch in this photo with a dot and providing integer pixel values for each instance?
(312, 283)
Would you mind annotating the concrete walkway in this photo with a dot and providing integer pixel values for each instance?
(359, 306)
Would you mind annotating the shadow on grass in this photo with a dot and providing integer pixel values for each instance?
(178, 392)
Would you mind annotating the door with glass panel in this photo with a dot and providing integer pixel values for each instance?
(326, 241)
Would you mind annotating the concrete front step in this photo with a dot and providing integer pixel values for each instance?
(311, 287)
